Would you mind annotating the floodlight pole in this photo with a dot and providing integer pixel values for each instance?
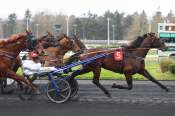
(108, 19)
(67, 25)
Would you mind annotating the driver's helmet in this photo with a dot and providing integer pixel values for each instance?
(33, 54)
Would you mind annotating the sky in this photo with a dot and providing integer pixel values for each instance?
(79, 7)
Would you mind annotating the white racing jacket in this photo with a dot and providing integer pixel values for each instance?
(30, 67)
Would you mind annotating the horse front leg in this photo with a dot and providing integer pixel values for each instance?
(3, 83)
(96, 73)
(11, 74)
(129, 83)
(146, 74)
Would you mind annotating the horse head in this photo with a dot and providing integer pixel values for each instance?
(16, 42)
(68, 44)
(79, 42)
(152, 41)
(48, 40)
(31, 42)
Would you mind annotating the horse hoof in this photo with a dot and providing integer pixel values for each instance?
(117, 86)
(37, 92)
(109, 95)
(113, 85)
(167, 89)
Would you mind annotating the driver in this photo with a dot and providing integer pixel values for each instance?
(31, 65)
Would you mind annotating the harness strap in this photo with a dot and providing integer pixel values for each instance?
(9, 53)
(8, 56)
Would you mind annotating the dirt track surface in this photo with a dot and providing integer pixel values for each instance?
(146, 99)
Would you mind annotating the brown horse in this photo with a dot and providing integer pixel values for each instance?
(133, 62)
(3, 82)
(55, 50)
(9, 50)
(75, 57)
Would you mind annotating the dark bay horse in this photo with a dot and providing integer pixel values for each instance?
(9, 51)
(133, 62)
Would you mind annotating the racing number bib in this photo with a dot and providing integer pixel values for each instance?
(118, 55)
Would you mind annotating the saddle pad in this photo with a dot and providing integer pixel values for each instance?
(118, 55)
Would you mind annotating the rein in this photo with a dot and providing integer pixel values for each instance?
(8, 54)
(132, 49)
(96, 52)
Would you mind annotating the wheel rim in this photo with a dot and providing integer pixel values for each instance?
(64, 91)
(74, 88)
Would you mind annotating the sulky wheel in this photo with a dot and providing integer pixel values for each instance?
(10, 82)
(62, 94)
(74, 87)
(6, 85)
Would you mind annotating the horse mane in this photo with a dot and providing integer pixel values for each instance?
(12, 39)
(63, 35)
(135, 43)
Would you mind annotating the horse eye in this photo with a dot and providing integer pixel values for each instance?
(71, 41)
(18, 42)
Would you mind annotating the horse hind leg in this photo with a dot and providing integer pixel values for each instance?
(129, 83)
(96, 72)
(146, 74)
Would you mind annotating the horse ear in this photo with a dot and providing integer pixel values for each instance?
(75, 37)
(152, 34)
(49, 33)
(64, 35)
(28, 32)
(149, 35)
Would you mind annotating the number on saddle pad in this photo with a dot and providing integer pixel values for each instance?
(118, 55)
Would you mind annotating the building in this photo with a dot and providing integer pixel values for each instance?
(166, 31)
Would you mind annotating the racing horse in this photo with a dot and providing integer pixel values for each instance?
(3, 81)
(30, 43)
(9, 51)
(75, 57)
(132, 63)
(55, 49)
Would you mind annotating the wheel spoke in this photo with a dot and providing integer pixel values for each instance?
(51, 90)
(64, 89)
(60, 94)
(63, 96)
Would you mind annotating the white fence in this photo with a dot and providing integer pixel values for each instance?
(104, 41)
